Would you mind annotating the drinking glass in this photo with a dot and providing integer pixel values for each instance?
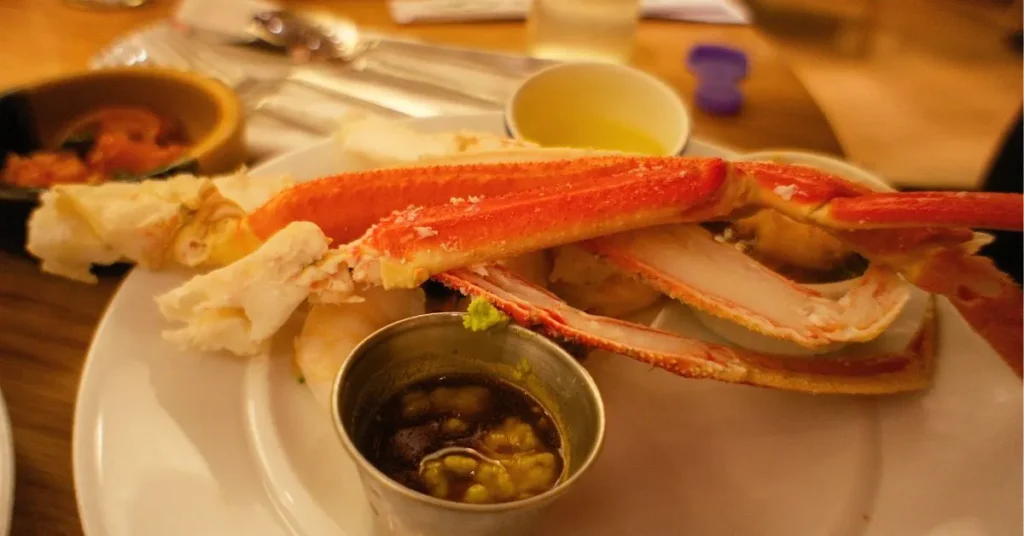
(583, 30)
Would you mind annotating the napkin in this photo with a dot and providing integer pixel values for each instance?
(226, 19)
(707, 11)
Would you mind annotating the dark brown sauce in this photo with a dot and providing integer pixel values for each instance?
(472, 412)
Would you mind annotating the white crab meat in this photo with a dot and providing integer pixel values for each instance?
(184, 220)
(239, 307)
(76, 226)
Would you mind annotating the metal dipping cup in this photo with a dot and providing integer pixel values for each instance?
(437, 344)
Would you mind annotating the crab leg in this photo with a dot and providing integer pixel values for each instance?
(589, 198)
(810, 195)
(377, 193)
(684, 262)
(407, 247)
(532, 306)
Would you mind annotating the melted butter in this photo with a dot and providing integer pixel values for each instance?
(568, 129)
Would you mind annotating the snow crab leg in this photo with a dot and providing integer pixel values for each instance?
(404, 249)
(377, 193)
(532, 306)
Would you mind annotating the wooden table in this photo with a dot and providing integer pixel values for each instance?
(46, 323)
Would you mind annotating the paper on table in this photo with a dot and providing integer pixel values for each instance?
(226, 18)
(707, 11)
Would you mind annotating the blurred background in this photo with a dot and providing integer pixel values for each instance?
(913, 88)
(921, 91)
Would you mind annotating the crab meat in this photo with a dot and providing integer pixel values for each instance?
(183, 220)
(240, 306)
(591, 284)
(376, 142)
(111, 223)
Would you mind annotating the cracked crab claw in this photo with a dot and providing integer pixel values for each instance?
(239, 307)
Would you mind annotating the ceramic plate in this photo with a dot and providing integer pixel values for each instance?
(6, 468)
(168, 442)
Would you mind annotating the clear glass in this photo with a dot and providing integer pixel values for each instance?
(583, 30)
(106, 4)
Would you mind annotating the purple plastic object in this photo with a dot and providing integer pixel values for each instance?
(718, 70)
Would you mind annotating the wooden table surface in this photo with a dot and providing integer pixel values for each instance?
(46, 323)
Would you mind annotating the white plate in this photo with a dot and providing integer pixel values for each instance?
(6, 469)
(179, 443)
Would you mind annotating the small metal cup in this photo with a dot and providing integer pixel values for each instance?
(432, 345)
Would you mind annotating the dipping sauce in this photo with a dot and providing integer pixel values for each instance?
(102, 145)
(466, 438)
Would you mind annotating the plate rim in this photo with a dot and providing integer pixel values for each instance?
(91, 524)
